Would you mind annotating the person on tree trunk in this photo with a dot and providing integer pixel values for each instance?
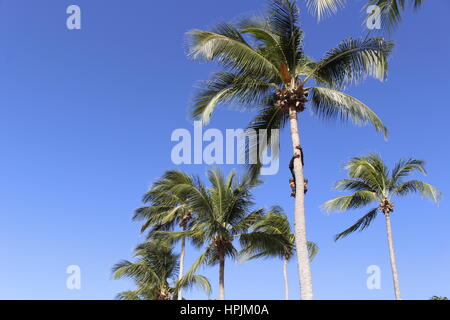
(292, 182)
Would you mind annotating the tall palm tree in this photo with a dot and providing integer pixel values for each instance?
(223, 214)
(156, 266)
(390, 10)
(265, 67)
(372, 182)
(271, 237)
(168, 208)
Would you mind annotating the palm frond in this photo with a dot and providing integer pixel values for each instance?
(248, 221)
(354, 201)
(416, 186)
(128, 295)
(265, 124)
(352, 61)
(228, 88)
(360, 225)
(391, 11)
(352, 185)
(226, 45)
(370, 169)
(284, 19)
(330, 103)
(201, 260)
(406, 167)
(324, 8)
(190, 281)
(313, 249)
(260, 30)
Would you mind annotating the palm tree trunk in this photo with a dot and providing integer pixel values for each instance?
(222, 276)
(392, 256)
(304, 270)
(285, 276)
(180, 275)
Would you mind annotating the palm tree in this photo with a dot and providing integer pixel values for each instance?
(156, 266)
(439, 298)
(372, 182)
(390, 10)
(266, 68)
(223, 214)
(168, 208)
(271, 237)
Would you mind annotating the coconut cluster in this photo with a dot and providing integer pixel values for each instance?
(219, 242)
(164, 294)
(185, 218)
(386, 206)
(294, 97)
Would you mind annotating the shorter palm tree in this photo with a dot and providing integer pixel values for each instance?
(168, 207)
(271, 237)
(223, 214)
(372, 182)
(156, 266)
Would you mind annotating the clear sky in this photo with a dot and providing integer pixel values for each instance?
(85, 123)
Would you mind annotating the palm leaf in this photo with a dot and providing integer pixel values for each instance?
(391, 11)
(227, 46)
(352, 61)
(416, 186)
(354, 201)
(268, 120)
(360, 225)
(227, 87)
(324, 8)
(405, 167)
(284, 19)
(329, 103)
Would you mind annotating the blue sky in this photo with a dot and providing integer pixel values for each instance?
(85, 123)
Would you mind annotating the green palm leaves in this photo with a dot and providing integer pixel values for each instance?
(261, 55)
(372, 182)
(223, 212)
(215, 217)
(328, 103)
(271, 236)
(390, 10)
(352, 61)
(168, 203)
(154, 273)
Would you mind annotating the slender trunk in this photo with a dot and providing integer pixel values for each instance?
(180, 275)
(304, 270)
(392, 256)
(286, 283)
(222, 276)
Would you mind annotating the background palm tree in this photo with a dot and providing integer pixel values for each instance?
(372, 182)
(223, 214)
(156, 267)
(271, 237)
(168, 207)
(265, 67)
(439, 298)
(390, 10)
